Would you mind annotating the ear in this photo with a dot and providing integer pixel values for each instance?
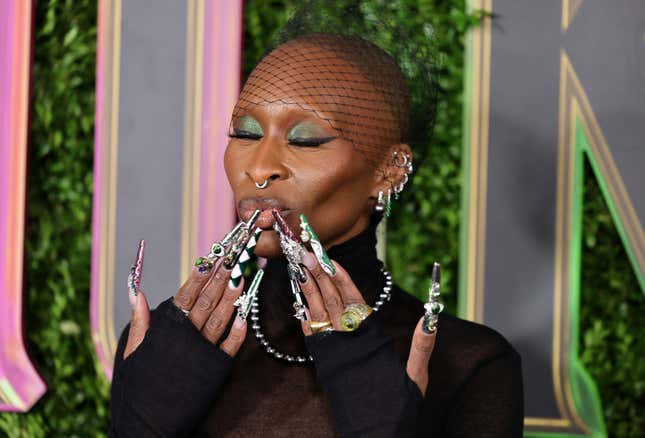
(393, 171)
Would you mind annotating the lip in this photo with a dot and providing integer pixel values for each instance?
(246, 207)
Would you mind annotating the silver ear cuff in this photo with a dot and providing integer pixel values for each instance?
(402, 160)
(264, 184)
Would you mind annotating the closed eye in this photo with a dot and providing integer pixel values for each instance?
(240, 133)
(310, 142)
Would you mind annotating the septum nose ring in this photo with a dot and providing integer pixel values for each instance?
(264, 184)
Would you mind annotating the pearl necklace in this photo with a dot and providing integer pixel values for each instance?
(297, 359)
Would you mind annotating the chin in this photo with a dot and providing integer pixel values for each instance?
(268, 246)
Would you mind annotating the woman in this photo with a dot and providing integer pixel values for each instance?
(319, 130)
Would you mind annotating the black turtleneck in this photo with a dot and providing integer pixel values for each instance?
(475, 379)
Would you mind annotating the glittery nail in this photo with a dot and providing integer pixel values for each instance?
(283, 225)
(134, 276)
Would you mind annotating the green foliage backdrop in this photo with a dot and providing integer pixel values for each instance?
(424, 226)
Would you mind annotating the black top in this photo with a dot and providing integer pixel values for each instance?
(358, 387)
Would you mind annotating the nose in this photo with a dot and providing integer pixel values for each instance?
(266, 163)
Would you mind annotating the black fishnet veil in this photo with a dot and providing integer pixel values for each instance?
(386, 84)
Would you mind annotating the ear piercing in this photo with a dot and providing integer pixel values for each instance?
(402, 160)
(383, 203)
(264, 184)
(433, 307)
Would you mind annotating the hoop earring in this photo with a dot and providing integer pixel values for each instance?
(398, 163)
(264, 184)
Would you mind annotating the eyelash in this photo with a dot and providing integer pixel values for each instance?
(310, 142)
(237, 133)
(300, 142)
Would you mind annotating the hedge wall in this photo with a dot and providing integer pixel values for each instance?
(59, 214)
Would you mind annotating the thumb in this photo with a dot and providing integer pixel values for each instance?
(139, 323)
(420, 352)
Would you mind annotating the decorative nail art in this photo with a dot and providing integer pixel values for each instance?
(298, 305)
(240, 241)
(134, 277)
(293, 251)
(433, 307)
(245, 301)
(284, 227)
(245, 259)
(309, 235)
(218, 249)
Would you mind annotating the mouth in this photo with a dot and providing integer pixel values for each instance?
(247, 206)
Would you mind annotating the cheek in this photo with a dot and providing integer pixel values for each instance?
(339, 193)
(231, 165)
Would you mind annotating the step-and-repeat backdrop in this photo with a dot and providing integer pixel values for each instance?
(548, 85)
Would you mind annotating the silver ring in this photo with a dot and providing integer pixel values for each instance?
(184, 311)
(264, 184)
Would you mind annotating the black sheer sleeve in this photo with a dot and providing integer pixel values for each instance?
(367, 386)
(167, 385)
(490, 402)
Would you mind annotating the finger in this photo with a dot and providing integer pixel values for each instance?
(315, 304)
(420, 352)
(221, 314)
(331, 299)
(235, 338)
(306, 325)
(189, 291)
(209, 296)
(139, 323)
(345, 286)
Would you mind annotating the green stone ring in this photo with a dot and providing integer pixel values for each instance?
(354, 315)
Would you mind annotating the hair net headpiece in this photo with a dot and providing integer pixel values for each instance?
(385, 84)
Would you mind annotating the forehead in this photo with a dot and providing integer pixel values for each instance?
(311, 75)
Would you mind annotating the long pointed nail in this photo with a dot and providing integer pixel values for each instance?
(245, 301)
(284, 227)
(238, 248)
(244, 259)
(433, 307)
(134, 277)
(253, 219)
(309, 235)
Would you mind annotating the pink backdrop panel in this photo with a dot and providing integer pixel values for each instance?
(20, 384)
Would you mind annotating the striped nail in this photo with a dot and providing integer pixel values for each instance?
(309, 235)
(134, 277)
(244, 302)
(245, 258)
(433, 307)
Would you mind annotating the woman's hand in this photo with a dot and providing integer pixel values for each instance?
(208, 300)
(328, 296)
(169, 368)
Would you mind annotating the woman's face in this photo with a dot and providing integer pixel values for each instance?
(310, 170)
(287, 128)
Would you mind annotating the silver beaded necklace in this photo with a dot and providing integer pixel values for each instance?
(384, 297)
